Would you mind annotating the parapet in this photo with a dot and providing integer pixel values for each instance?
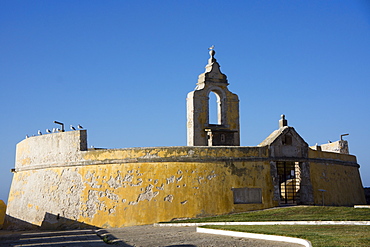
(49, 149)
(340, 146)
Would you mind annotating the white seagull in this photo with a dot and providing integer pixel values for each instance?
(39, 132)
(48, 131)
(72, 128)
(79, 127)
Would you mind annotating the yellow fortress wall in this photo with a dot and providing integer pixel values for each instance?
(69, 186)
(337, 174)
(122, 187)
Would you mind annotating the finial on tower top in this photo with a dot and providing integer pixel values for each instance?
(212, 53)
(283, 122)
(213, 73)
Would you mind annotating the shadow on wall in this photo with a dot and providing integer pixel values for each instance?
(50, 222)
(11, 223)
(2, 213)
(61, 232)
(367, 195)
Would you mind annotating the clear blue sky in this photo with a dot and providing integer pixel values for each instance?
(122, 69)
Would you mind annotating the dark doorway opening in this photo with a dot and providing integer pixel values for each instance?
(289, 180)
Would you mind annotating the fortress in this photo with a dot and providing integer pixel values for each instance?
(59, 183)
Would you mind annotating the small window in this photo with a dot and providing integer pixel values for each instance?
(287, 140)
(247, 195)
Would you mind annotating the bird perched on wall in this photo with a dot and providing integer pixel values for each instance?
(54, 130)
(39, 132)
(27, 136)
(79, 127)
(72, 128)
(48, 131)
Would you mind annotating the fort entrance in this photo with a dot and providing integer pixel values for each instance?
(289, 181)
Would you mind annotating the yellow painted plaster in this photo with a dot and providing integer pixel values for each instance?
(2, 213)
(124, 194)
(148, 193)
(331, 155)
(120, 195)
(341, 183)
(139, 186)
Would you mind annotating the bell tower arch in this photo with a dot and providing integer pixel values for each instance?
(200, 132)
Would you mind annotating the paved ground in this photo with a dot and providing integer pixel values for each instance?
(70, 238)
(148, 236)
(144, 236)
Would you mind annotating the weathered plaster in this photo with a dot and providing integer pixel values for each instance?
(340, 146)
(96, 194)
(52, 191)
(122, 187)
(2, 213)
(50, 149)
(341, 182)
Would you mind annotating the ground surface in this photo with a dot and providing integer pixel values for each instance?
(144, 236)
(51, 238)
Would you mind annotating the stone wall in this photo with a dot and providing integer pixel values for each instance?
(59, 184)
(2, 213)
(337, 174)
(123, 187)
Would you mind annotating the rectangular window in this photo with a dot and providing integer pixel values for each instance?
(247, 195)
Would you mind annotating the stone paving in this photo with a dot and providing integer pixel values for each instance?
(148, 236)
(69, 238)
(145, 236)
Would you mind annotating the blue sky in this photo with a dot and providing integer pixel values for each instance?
(122, 69)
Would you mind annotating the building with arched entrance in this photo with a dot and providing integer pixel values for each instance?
(59, 183)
